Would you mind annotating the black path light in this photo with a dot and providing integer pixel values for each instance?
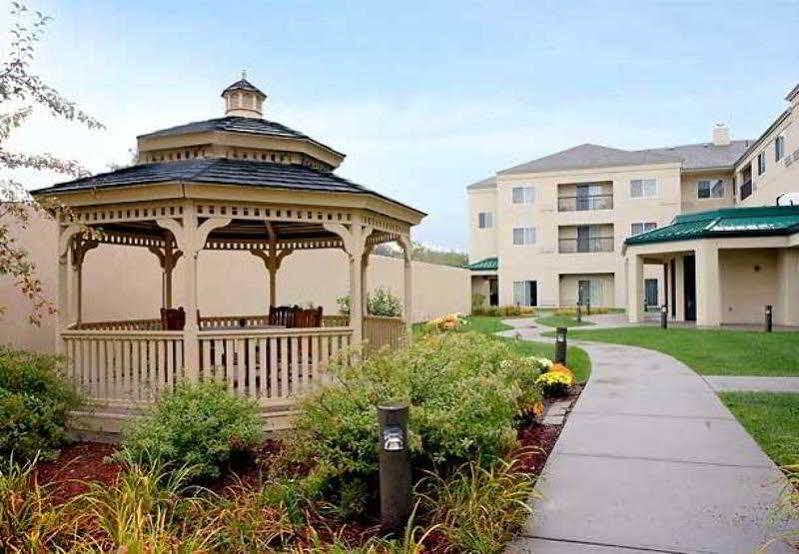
(560, 345)
(395, 466)
(769, 316)
(579, 313)
(664, 317)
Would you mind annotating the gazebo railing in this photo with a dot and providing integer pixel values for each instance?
(383, 332)
(271, 365)
(123, 365)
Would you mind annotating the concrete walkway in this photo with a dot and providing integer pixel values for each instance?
(650, 460)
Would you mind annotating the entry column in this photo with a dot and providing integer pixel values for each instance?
(708, 286)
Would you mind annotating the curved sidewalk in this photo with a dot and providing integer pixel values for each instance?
(650, 460)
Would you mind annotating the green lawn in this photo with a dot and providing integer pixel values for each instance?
(576, 358)
(710, 351)
(561, 321)
(772, 419)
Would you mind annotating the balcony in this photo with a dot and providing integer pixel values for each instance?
(583, 203)
(746, 190)
(581, 245)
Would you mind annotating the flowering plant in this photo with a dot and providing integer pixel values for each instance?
(451, 322)
(555, 383)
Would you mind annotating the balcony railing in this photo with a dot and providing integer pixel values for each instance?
(746, 190)
(585, 203)
(593, 244)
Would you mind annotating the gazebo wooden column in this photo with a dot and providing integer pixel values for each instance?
(190, 237)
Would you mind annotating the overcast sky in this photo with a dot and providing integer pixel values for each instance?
(423, 97)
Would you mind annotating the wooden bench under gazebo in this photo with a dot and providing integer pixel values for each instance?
(246, 186)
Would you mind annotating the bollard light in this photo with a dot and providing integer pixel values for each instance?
(579, 313)
(588, 307)
(560, 345)
(769, 312)
(395, 467)
(664, 317)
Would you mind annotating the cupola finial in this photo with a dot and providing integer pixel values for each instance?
(243, 99)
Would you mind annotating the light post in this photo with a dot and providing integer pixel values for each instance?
(664, 317)
(395, 466)
(560, 345)
(769, 315)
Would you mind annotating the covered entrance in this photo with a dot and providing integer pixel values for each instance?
(721, 267)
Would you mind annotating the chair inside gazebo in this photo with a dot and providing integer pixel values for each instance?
(270, 357)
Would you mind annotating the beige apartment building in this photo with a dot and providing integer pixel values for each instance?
(554, 231)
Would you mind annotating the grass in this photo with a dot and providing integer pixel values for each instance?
(772, 418)
(561, 321)
(576, 358)
(711, 351)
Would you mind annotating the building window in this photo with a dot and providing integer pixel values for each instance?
(523, 195)
(638, 228)
(710, 189)
(761, 163)
(525, 293)
(779, 148)
(485, 220)
(643, 188)
(524, 235)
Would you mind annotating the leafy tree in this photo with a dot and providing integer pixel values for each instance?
(20, 91)
(422, 253)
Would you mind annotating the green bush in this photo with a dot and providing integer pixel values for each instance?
(199, 426)
(380, 302)
(505, 311)
(34, 402)
(465, 391)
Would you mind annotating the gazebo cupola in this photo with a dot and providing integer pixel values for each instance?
(243, 99)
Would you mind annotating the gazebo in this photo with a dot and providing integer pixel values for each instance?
(241, 184)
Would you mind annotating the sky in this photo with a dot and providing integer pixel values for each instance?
(423, 97)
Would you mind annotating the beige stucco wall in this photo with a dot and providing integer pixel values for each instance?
(482, 242)
(778, 178)
(690, 198)
(749, 281)
(125, 282)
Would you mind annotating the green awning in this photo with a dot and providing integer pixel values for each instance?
(487, 264)
(728, 222)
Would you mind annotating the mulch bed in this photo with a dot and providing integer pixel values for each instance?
(84, 462)
(76, 466)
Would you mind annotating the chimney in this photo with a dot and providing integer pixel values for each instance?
(721, 135)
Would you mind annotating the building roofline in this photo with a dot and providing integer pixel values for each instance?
(759, 140)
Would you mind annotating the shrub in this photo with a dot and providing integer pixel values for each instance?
(381, 302)
(465, 389)
(572, 311)
(34, 402)
(478, 509)
(505, 311)
(199, 426)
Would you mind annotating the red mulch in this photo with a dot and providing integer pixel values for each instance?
(76, 465)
